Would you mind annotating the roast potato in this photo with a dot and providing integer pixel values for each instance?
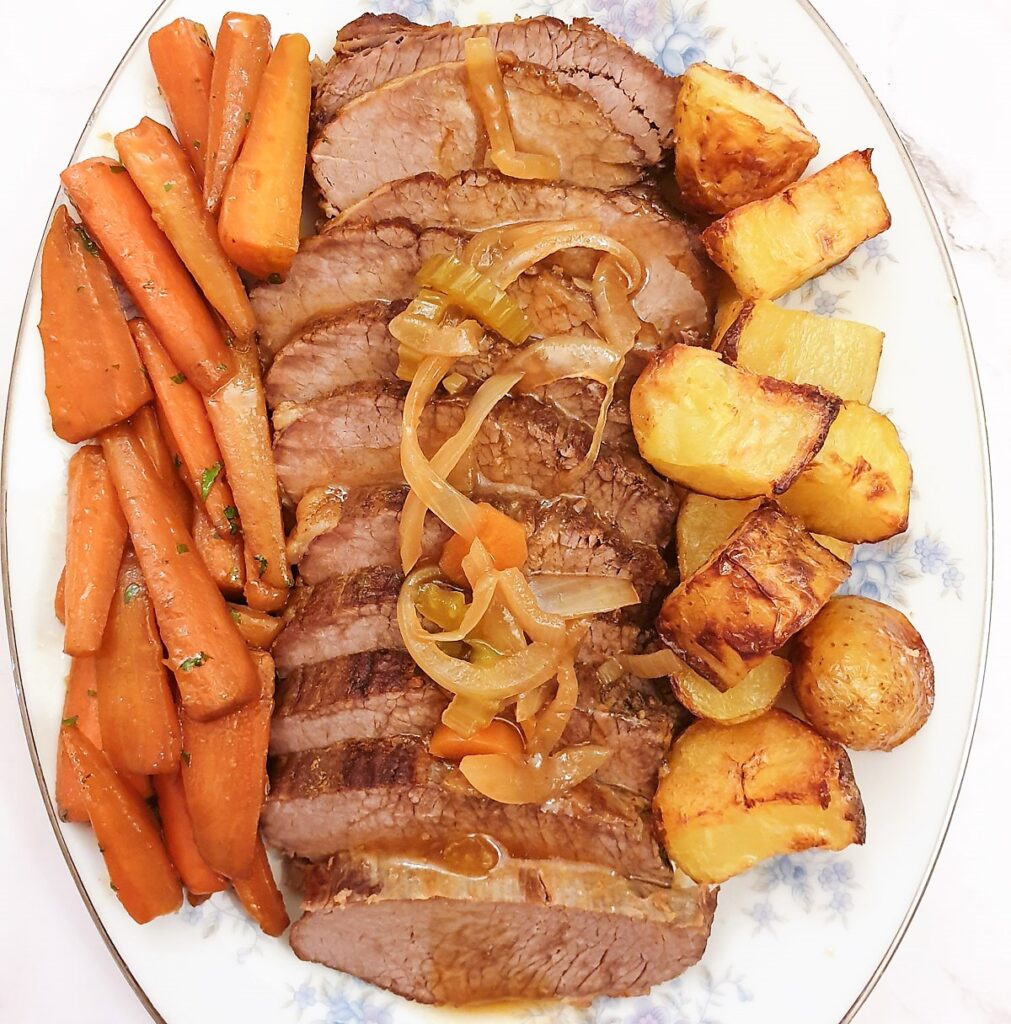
(857, 487)
(731, 796)
(767, 581)
(862, 674)
(839, 356)
(723, 431)
(773, 245)
(734, 142)
(751, 697)
(705, 523)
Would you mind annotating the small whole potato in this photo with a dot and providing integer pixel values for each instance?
(862, 674)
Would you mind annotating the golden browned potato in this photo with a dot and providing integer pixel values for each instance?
(734, 142)
(775, 244)
(705, 523)
(751, 697)
(839, 356)
(862, 674)
(857, 487)
(768, 580)
(723, 431)
(728, 305)
(731, 796)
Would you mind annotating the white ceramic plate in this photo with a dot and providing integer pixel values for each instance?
(797, 938)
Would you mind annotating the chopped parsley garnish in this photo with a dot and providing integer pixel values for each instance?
(207, 478)
(196, 661)
(185, 755)
(222, 367)
(86, 239)
(236, 617)
(233, 576)
(72, 720)
(148, 286)
(261, 565)
(182, 549)
(176, 461)
(178, 378)
(93, 693)
(117, 168)
(131, 592)
(274, 278)
(169, 185)
(247, 117)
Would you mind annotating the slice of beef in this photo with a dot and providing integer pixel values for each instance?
(677, 296)
(524, 446)
(521, 929)
(563, 535)
(632, 91)
(358, 612)
(427, 121)
(382, 694)
(393, 795)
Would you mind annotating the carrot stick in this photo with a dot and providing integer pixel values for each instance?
(80, 708)
(197, 875)
(504, 538)
(498, 737)
(93, 378)
(258, 628)
(139, 868)
(96, 534)
(159, 169)
(145, 422)
(262, 204)
(183, 63)
(213, 669)
(119, 219)
(238, 414)
(225, 776)
(242, 49)
(221, 555)
(60, 598)
(260, 895)
(181, 406)
(139, 722)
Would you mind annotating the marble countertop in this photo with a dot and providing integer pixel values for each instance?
(938, 69)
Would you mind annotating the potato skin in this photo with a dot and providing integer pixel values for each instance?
(862, 674)
(766, 582)
(734, 142)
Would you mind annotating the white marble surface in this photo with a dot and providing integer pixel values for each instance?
(939, 68)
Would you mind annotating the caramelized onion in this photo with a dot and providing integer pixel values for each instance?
(535, 779)
(618, 321)
(650, 666)
(575, 595)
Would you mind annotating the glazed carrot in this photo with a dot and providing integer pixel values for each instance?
(183, 63)
(238, 414)
(139, 868)
(225, 775)
(197, 875)
(221, 555)
(92, 378)
(504, 538)
(262, 203)
(258, 628)
(80, 708)
(241, 52)
(60, 598)
(260, 895)
(96, 535)
(213, 669)
(195, 899)
(149, 432)
(183, 410)
(498, 737)
(158, 167)
(119, 219)
(138, 718)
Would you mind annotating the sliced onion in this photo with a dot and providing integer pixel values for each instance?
(551, 722)
(563, 356)
(618, 320)
(535, 622)
(467, 715)
(575, 595)
(433, 492)
(652, 665)
(529, 703)
(532, 780)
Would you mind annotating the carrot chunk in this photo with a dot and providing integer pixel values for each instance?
(138, 718)
(183, 63)
(120, 221)
(213, 669)
(258, 629)
(262, 203)
(504, 538)
(241, 52)
(93, 378)
(80, 708)
(96, 535)
(158, 167)
(221, 555)
(197, 875)
(238, 413)
(225, 777)
(60, 598)
(498, 737)
(152, 438)
(139, 868)
(183, 410)
(260, 895)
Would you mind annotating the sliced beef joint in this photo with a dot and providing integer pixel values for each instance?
(522, 929)
(427, 121)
